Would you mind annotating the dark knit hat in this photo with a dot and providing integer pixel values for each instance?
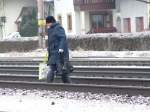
(50, 19)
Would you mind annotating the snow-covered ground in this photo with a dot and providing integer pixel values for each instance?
(43, 101)
(81, 53)
(41, 52)
(53, 101)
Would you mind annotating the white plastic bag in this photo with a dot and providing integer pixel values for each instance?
(43, 71)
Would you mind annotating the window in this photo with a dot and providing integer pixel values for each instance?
(59, 19)
(69, 22)
(139, 24)
(127, 25)
(98, 20)
(108, 21)
(101, 22)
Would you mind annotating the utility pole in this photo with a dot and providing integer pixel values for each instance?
(41, 22)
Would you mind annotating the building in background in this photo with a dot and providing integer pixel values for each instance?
(65, 14)
(48, 7)
(80, 16)
(131, 16)
(148, 12)
(12, 11)
(86, 16)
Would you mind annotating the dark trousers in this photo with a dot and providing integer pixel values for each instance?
(53, 71)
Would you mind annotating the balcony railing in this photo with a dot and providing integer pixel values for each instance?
(93, 5)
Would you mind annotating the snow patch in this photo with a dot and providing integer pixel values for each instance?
(15, 100)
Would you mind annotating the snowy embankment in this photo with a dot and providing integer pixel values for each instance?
(97, 42)
(106, 35)
(13, 100)
(53, 101)
(81, 53)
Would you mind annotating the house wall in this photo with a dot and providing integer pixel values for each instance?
(1, 14)
(87, 21)
(130, 9)
(81, 21)
(78, 22)
(148, 12)
(63, 8)
(84, 22)
(125, 9)
(12, 9)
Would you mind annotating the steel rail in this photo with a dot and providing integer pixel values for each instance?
(131, 80)
(78, 58)
(81, 61)
(85, 67)
(90, 71)
(106, 89)
(83, 80)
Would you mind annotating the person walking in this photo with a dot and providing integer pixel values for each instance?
(57, 45)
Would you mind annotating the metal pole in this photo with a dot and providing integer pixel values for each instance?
(40, 5)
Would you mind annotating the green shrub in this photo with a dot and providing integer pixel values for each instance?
(29, 26)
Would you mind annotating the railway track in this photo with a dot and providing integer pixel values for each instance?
(81, 61)
(125, 79)
(106, 89)
(86, 71)
(83, 80)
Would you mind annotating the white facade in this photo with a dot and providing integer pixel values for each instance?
(63, 8)
(11, 9)
(131, 9)
(81, 19)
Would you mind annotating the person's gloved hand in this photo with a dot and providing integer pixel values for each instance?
(60, 50)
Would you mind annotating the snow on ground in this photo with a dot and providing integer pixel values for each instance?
(15, 36)
(54, 101)
(118, 35)
(110, 54)
(80, 53)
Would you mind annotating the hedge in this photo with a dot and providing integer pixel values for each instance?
(97, 42)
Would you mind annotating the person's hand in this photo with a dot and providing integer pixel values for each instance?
(60, 50)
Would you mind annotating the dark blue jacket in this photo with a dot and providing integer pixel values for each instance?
(56, 40)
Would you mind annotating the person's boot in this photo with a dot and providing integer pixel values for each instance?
(59, 69)
(50, 76)
(66, 78)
